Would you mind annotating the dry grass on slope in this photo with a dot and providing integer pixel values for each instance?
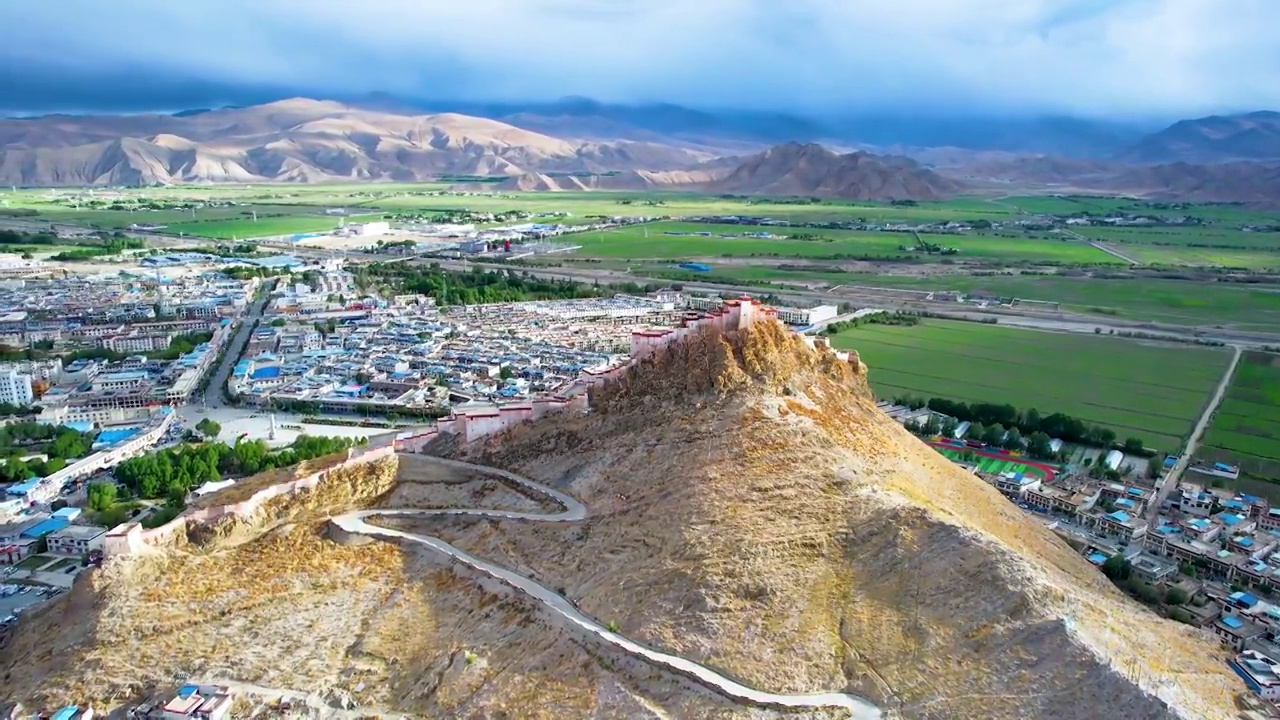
(267, 600)
(751, 508)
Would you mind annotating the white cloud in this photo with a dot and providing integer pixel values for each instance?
(1109, 57)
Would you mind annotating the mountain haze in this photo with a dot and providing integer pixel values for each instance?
(1215, 139)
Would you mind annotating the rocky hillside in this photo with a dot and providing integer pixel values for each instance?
(300, 140)
(748, 508)
(812, 170)
(1214, 139)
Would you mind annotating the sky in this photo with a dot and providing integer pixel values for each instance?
(1086, 58)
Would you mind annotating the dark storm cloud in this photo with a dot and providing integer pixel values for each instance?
(1113, 57)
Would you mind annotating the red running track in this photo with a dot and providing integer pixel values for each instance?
(1050, 472)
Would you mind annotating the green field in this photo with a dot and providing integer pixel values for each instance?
(1211, 236)
(1246, 426)
(246, 228)
(840, 255)
(1201, 257)
(653, 241)
(1177, 302)
(1153, 392)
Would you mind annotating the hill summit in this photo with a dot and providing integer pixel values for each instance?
(747, 507)
(811, 169)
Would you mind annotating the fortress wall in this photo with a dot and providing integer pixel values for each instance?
(735, 315)
(131, 538)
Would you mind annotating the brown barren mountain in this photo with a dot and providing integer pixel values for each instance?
(300, 140)
(812, 170)
(748, 508)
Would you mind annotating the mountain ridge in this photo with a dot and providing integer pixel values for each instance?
(1252, 136)
(810, 169)
(302, 139)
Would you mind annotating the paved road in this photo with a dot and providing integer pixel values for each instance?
(213, 394)
(1170, 480)
(355, 523)
(1100, 246)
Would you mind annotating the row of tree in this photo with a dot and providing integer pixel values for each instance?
(886, 318)
(1059, 425)
(474, 287)
(172, 473)
(59, 443)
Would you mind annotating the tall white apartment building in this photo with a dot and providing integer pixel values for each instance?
(15, 389)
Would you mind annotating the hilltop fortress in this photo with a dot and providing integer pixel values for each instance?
(469, 425)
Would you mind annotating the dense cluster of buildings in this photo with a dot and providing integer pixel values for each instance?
(111, 330)
(325, 346)
(1219, 548)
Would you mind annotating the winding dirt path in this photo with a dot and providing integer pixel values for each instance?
(356, 523)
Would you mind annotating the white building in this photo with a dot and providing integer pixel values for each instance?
(15, 389)
(1260, 673)
(807, 316)
(369, 229)
(1113, 460)
(77, 539)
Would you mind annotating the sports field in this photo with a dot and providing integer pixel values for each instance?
(1149, 391)
(1246, 426)
(993, 463)
(678, 241)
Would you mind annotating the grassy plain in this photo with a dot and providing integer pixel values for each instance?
(1177, 302)
(243, 228)
(654, 241)
(1246, 426)
(288, 209)
(1153, 392)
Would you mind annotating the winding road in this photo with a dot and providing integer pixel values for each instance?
(356, 523)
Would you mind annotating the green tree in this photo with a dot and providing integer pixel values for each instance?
(506, 372)
(101, 496)
(1038, 445)
(949, 427)
(1133, 446)
(1117, 568)
(993, 434)
(1176, 596)
(209, 427)
(1013, 440)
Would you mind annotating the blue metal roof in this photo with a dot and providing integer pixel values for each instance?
(46, 526)
(23, 488)
(1233, 622)
(1119, 516)
(1243, 599)
(65, 713)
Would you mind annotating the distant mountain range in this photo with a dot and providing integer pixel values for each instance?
(301, 140)
(577, 143)
(1231, 138)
